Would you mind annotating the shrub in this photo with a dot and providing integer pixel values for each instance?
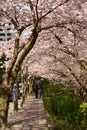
(83, 113)
(64, 107)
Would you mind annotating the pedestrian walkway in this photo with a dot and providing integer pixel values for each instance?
(30, 117)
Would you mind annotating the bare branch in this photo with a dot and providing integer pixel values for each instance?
(37, 9)
(77, 79)
(57, 37)
(33, 11)
(12, 19)
(51, 10)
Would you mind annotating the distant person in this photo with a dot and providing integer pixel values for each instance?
(38, 89)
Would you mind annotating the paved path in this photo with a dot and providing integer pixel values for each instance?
(30, 117)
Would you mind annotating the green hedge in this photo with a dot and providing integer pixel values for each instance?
(64, 107)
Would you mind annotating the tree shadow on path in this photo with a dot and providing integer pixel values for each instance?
(30, 117)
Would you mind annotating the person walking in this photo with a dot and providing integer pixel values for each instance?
(38, 89)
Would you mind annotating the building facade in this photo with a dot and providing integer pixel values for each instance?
(6, 36)
(6, 32)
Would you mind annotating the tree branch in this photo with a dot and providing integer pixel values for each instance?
(51, 10)
(33, 11)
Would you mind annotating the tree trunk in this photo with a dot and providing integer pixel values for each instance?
(24, 92)
(4, 105)
(31, 82)
(16, 97)
(27, 86)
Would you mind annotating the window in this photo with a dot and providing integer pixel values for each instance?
(9, 48)
(1, 29)
(1, 39)
(2, 34)
(8, 39)
(8, 28)
(9, 34)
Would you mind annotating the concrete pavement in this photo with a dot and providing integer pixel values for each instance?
(30, 117)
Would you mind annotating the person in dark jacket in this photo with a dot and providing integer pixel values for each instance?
(38, 89)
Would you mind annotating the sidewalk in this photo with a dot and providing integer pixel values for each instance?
(30, 117)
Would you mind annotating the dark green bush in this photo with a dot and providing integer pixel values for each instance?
(63, 106)
(66, 107)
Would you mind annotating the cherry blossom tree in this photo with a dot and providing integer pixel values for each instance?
(64, 59)
(34, 16)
